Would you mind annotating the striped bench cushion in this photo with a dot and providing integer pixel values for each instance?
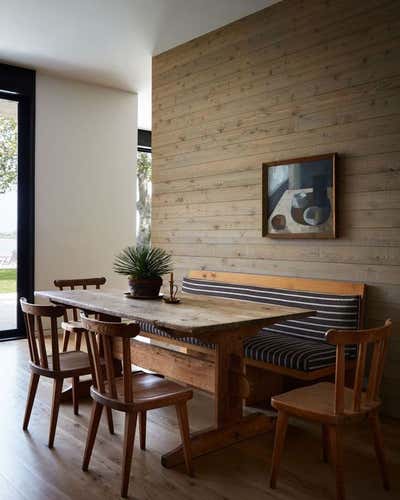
(275, 348)
(291, 352)
(332, 311)
(296, 344)
(149, 328)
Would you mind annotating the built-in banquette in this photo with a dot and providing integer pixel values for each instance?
(294, 348)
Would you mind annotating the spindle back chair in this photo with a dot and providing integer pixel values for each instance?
(334, 405)
(47, 360)
(74, 325)
(377, 339)
(132, 393)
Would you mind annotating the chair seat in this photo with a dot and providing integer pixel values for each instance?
(317, 402)
(72, 326)
(149, 391)
(72, 363)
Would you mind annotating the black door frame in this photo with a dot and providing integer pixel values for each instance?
(18, 84)
(144, 141)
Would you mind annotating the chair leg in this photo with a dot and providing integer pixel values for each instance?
(33, 384)
(110, 421)
(181, 412)
(57, 388)
(65, 341)
(75, 395)
(379, 448)
(280, 434)
(129, 438)
(97, 408)
(78, 341)
(325, 444)
(142, 429)
(335, 440)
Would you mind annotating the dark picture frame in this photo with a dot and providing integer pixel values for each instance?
(299, 197)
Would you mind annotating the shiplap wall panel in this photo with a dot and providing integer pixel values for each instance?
(296, 79)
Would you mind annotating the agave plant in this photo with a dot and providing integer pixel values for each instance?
(143, 262)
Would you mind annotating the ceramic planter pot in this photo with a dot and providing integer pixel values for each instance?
(145, 288)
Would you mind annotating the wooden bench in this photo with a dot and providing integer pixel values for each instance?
(310, 358)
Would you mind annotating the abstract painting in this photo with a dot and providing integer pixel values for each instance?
(299, 198)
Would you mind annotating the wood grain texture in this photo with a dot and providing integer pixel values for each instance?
(29, 470)
(334, 405)
(196, 316)
(293, 80)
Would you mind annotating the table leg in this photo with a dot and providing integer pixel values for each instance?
(83, 391)
(229, 372)
(231, 387)
(216, 438)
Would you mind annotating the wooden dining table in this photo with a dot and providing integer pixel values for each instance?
(222, 322)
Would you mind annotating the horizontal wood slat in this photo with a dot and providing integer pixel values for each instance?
(293, 80)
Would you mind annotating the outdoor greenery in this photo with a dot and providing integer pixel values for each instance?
(8, 280)
(8, 236)
(143, 262)
(8, 153)
(143, 205)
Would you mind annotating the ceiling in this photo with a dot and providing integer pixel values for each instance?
(109, 42)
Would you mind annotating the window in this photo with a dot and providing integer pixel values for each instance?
(143, 189)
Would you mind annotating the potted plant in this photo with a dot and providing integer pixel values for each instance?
(145, 267)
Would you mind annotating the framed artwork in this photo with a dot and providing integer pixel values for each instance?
(298, 199)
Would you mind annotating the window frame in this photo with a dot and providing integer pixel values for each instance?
(144, 141)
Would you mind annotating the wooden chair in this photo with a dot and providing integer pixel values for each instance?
(132, 393)
(334, 405)
(74, 326)
(56, 365)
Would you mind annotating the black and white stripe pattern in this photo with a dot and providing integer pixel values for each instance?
(333, 311)
(291, 352)
(275, 348)
(296, 344)
(149, 328)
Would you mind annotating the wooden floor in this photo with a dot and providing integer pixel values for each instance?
(29, 470)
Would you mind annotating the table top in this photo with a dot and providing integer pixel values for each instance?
(194, 316)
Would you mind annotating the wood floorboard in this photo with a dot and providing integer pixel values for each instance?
(29, 470)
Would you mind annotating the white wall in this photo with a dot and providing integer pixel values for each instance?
(86, 140)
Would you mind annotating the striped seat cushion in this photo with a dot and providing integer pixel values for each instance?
(275, 348)
(292, 352)
(296, 344)
(149, 328)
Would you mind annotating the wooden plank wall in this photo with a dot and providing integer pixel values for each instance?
(300, 78)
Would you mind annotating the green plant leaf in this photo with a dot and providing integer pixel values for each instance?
(143, 262)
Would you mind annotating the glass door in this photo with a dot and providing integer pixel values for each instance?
(8, 213)
(17, 102)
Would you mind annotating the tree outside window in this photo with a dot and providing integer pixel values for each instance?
(143, 204)
(8, 154)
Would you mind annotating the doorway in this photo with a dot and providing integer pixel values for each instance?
(17, 94)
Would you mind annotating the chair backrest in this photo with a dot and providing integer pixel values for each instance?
(33, 314)
(376, 337)
(71, 284)
(99, 337)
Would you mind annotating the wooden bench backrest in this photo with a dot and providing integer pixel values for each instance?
(288, 283)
